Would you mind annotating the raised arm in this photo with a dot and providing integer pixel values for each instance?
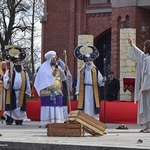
(130, 41)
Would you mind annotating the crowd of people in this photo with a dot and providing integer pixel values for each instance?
(18, 82)
(53, 83)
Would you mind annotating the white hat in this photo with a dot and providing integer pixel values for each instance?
(50, 54)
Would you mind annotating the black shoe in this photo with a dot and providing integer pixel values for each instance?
(122, 127)
(2, 117)
(18, 122)
(8, 123)
(9, 120)
(43, 126)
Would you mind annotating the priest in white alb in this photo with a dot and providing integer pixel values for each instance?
(142, 82)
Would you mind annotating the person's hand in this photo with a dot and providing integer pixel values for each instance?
(9, 80)
(77, 97)
(55, 72)
(104, 79)
(77, 94)
(66, 68)
(144, 92)
(130, 41)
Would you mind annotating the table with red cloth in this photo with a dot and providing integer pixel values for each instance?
(129, 84)
(33, 109)
(116, 111)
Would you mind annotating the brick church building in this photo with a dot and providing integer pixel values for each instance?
(64, 20)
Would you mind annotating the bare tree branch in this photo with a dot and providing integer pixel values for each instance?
(17, 24)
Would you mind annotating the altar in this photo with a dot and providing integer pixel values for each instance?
(129, 84)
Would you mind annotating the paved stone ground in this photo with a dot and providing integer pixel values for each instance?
(30, 136)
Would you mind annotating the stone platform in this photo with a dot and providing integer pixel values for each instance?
(30, 137)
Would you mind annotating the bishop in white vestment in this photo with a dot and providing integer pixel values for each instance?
(88, 82)
(48, 84)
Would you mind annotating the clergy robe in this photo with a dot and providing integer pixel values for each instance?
(44, 82)
(17, 112)
(2, 91)
(89, 104)
(142, 82)
(1, 99)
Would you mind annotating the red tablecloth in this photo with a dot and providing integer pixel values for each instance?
(116, 111)
(33, 109)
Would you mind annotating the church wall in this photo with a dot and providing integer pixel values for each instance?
(119, 21)
(98, 23)
(67, 19)
(127, 67)
(56, 35)
(142, 26)
(126, 18)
